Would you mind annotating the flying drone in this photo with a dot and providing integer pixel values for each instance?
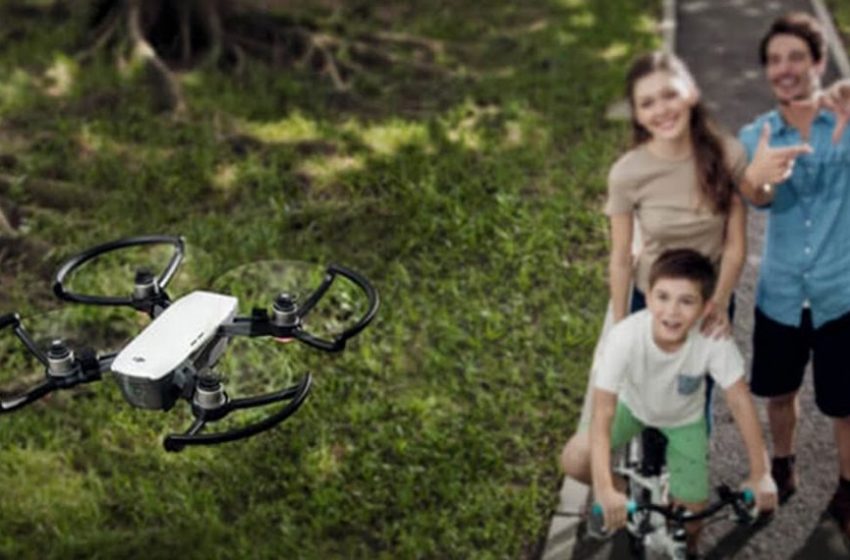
(175, 356)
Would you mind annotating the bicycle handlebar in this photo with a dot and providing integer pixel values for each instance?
(727, 498)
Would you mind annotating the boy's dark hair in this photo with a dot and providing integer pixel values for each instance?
(687, 264)
(801, 25)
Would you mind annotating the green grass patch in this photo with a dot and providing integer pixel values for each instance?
(469, 195)
(841, 16)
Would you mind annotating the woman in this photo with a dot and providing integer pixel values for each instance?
(678, 184)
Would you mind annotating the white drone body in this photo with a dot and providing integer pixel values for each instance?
(151, 368)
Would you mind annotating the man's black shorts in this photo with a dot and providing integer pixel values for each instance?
(780, 355)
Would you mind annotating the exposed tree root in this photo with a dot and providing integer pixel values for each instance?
(51, 193)
(5, 225)
(170, 93)
(104, 32)
(166, 37)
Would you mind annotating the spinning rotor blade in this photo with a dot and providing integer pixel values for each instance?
(78, 337)
(258, 284)
(264, 384)
(105, 330)
(253, 366)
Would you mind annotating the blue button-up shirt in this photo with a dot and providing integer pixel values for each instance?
(807, 244)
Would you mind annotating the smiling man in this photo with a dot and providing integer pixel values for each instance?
(800, 171)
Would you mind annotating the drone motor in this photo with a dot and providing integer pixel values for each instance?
(209, 394)
(285, 311)
(145, 285)
(60, 359)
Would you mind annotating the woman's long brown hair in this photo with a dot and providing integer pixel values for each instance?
(715, 179)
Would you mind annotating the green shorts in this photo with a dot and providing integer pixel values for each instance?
(687, 453)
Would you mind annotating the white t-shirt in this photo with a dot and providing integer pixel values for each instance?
(664, 389)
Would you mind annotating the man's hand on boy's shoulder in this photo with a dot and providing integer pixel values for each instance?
(764, 489)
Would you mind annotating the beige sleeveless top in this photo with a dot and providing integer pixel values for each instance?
(663, 196)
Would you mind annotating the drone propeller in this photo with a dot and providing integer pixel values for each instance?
(63, 363)
(303, 295)
(147, 293)
(210, 403)
(322, 308)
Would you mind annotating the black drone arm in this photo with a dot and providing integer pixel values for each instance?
(14, 320)
(317, 294)
(62, 369)
(32, 395)
(150, 291)
(295, 394)
(288, 323)
(10, 319)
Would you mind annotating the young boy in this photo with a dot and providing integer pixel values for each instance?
(652, 373)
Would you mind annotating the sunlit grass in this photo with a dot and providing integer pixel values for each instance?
(614, 51)
(583, 19)
(292, 129)
(16, 88)
(386, 139)
(225, 177)
(470, 197)
(325, 169)
(60, 76)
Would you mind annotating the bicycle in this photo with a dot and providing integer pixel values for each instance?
(654, 525)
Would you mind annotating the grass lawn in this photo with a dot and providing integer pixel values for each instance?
(468, 190)
(841, 14)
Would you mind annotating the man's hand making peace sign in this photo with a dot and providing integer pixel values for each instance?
(835, 98)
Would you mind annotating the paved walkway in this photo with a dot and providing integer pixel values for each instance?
(718, 39)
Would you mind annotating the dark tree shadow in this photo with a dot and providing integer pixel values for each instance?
(826, 542)
(736, 540)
